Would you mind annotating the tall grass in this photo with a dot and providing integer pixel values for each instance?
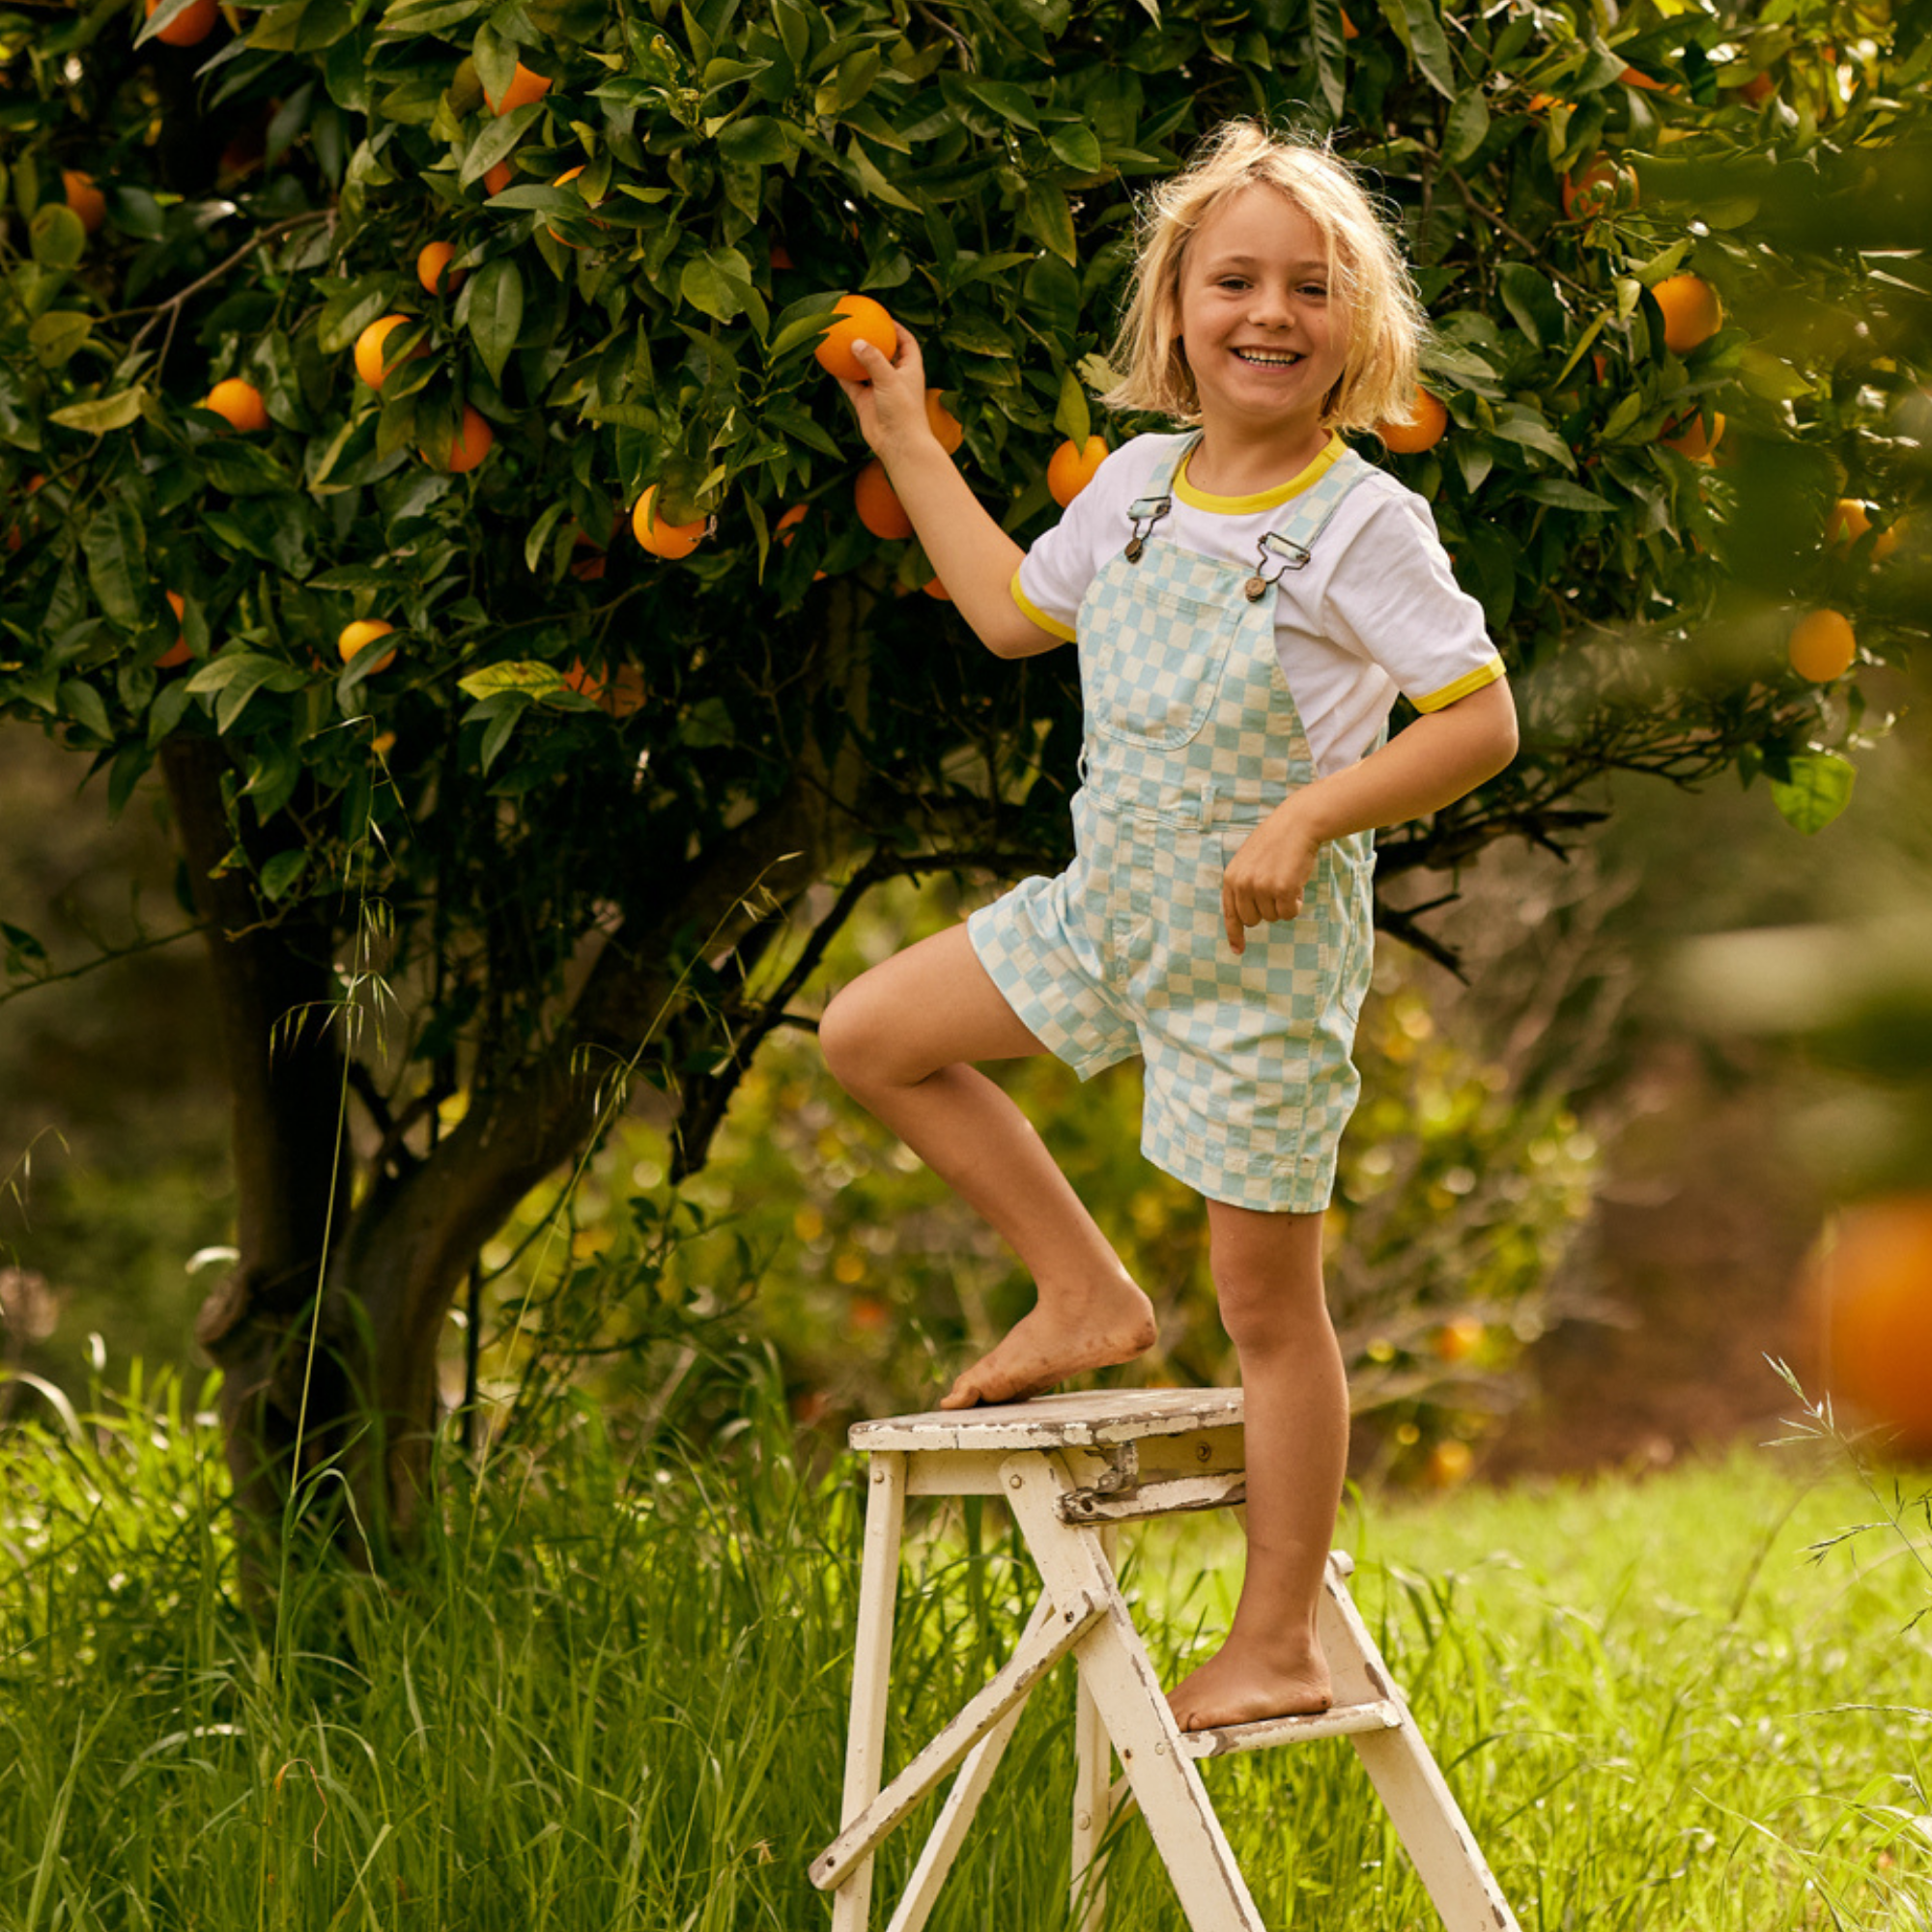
(612, 1694)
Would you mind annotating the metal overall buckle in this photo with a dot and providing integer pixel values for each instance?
(1145, 514)
(1292, 557)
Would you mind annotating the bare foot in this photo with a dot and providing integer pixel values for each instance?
(1241, 1684)
(1056, 1341)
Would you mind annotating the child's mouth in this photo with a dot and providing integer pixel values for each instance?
(1268, 358)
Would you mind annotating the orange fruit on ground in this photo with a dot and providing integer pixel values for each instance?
(1693, 442)
(525, 87)
(671, 540)
(944, 424)
(1869, 1292)
(241, 403)
(786, 526)
(1458, 1340)
(879, 507)
(860, 319)
(1823, 645)
(496, 180)
(1691, 312)
(1849, 521)
(433, 270)
(468, 447)
(364, 631)
(370, 362)
(1071, 467)
(189, 27)
(1428, 422)
(177, 652)
(84, 198)
(1593, 190)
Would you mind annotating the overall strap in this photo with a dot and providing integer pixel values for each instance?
(1290, 543)
(1148, 508)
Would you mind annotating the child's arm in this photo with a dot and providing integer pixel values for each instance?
(1429, 764)
(969, 552)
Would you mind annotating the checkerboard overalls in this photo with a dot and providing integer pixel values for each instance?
(1192, 739)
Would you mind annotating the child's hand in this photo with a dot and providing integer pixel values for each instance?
(1266, 878)
(891, 407)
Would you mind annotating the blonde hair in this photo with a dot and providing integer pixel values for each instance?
(1384, 317)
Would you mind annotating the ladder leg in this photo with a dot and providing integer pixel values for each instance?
(1114, 1664)
(1409, 1782)
(1091, 1786)
(871, 1670)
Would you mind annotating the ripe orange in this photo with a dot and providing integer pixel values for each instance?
(786, 526)
(1849, 521)
(496, 180)
(934, 589)
(1458, 1340)
(525, 87)
(188, 28)
(468, 447)
(432, 263)
(860, 319)
(1691, 312)
(364, 631)
(620, 695)
(1693, 442)
(1869, 1292)
(84, 198)
(1823, 645)
(1593, 190)
(945, 425)
(177, 652)
(1449, 1464)
(370, 362)
(668, 540)
(241, 403)
(879, 507)
(1427, 422)
(1071, 467)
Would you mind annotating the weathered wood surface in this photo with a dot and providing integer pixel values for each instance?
(1083, 1417)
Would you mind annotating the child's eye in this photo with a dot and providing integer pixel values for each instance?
(1316, 289)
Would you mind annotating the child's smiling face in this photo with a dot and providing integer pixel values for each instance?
(1263, 336)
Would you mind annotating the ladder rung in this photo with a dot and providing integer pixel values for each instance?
(1383, 1713)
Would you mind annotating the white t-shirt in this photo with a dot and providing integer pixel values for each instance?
(1375, 611)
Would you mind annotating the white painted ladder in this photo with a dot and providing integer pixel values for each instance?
(1070, 1467)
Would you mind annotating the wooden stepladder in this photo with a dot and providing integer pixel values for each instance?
(1071, 1467)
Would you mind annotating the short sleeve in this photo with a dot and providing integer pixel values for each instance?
(1393, 597)
(1052, 580)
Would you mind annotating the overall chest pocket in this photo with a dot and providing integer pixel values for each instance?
(1152, 658)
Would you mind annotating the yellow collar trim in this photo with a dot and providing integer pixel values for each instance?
(1264, 499)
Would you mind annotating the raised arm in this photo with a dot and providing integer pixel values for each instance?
(969, 552)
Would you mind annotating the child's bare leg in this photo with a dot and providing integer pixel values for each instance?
(898, 1039)
(1267, 1273)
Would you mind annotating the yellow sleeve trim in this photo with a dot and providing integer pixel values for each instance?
(1473, 680)
(1052, 626)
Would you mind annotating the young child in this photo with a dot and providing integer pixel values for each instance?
(1247, 598)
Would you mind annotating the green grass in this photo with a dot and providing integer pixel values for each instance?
(612, 1694)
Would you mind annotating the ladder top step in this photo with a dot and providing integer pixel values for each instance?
(1080, 1419)
(1383, 1714)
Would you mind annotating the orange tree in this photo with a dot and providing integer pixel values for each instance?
(325, 316)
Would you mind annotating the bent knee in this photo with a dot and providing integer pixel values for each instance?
(858, 1039)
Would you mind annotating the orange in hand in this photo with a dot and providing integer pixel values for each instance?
(859, 320)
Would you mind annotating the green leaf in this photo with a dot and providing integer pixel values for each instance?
(1007, 99)
(708, 725)
(56, 236)
(707, 287)
(1530, 297)
(533, 547)
(104, 412)
(1072, 420)
(1819, 789)
(1078, 148)
(1561, 494)
(117, 549)
(495, 142)
(494, 312)
(57, 334)
(280, 875)
(873, 183)
(757, 141)
(81, 702)
(1048, 216)
(535, 680)
(1522, 425)
(1468, 126)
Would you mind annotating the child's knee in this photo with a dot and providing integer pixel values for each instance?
(855, 1035)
